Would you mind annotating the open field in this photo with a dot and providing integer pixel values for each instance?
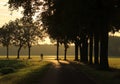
(111, 76)
(113, 61)
(24, 71)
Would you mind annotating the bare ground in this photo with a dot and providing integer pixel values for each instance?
(62, 72)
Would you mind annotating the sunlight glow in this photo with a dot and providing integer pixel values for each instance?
(46, 41)
(6, 15)
(115, 34)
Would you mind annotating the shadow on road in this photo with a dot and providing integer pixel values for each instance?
(63, 72)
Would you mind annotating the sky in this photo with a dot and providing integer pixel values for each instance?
(5, 13)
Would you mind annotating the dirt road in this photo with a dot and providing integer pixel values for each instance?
(63, 72)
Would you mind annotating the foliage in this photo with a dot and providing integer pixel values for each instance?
(31, 73)
(6, 33)
(6, 70)
(36, 75)
(12, 63)
(29, 6)
(110, 76)
(27, 33)
(10, 66)
(19, 36)
(21, 32)
(77, 21)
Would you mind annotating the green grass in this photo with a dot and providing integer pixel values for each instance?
(25, 71)
(111, 76)
(45, 57)
(9, 66)
(114, 62)
(31, 71)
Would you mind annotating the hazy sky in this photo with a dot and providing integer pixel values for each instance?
(5, 16)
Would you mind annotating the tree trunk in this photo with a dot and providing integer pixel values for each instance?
(103, 24)
(29, 52)
(104, 50)
(91, 49)
(85, 50)
(76, 51)
(7, 51)
(18, 54)
(96, 48)
(57, 49)
(65, 53)
(81, 52)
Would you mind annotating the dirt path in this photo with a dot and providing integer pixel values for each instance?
(64, 73)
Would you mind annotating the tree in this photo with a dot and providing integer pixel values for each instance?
(56, 20)
(49, 19)
(6, 35)
(80, 19)
(33, 33)
(27, 34)
(30, 8)
(65, 42)
(19, 36)
(81, 16)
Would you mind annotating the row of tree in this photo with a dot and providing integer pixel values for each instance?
(81, 22)
(86, 23)
(20, 33)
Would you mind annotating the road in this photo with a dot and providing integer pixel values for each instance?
(62, 72)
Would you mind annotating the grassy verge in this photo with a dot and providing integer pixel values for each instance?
(25, 71)
(35, 75)
(111, 76)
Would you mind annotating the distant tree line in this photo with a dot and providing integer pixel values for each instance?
(86, 23)
(114, 47)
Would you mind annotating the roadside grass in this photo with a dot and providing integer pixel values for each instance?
(111, 76)
(32, 70)
(24, 71)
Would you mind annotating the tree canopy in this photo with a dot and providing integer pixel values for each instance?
(83, 22)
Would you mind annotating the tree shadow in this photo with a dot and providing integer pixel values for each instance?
(114, 73)
(70, 73)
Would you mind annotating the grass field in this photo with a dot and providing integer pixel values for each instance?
(111, 76)
(24, 71)
(114, 62)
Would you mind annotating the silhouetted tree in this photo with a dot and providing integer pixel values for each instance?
(6, 35)
(30, 8)
(91, 48)
(78, 20)
(19, 36)
(66, 43)
(50, 21)
(33, 33)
